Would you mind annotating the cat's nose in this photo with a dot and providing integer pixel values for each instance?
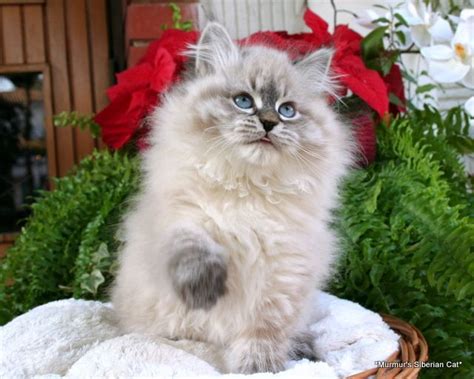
(268, 125)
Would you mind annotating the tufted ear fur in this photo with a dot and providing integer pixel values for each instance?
(215, 49)
(316, 67)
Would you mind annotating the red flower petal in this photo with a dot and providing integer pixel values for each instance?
(114, 92)
(295, 45)
(270, 39)
(301, 43)
(164, 71)
(346, 40)
(121, 118)
(174, 41)
(130, 80)
(138, 73)
(365, 83)
(116, 125)
(319, 28)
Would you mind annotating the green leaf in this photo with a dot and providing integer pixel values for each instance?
(401, 37)
(386, 62)
(74, 119)
(371, 202)
(400, 18)
(463, 144)
(101, 253)
(394, 99)
(407, 76)
(426, 88)
(187, 26)
(372, 45)
(381, 20)
(177, 16)
(466, 290)
(376, 273)
(92, 281)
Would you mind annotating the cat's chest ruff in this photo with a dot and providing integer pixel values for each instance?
(254, 207)
(228, 208)
(254, 215)
(253, 190)
(246, 225)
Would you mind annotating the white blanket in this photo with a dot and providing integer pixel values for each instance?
(80, 339)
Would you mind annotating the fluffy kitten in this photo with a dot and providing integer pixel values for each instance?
(229, 236)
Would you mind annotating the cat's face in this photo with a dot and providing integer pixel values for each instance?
(254, 103)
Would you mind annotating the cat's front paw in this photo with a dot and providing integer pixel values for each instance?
(198, 276)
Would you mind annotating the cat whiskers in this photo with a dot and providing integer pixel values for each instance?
(211, 129)
(285, 137)
(311, 166)
(311, 153)
(249, 135)
(220, 143)
(302, 155)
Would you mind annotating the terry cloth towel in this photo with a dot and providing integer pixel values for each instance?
(80, 339)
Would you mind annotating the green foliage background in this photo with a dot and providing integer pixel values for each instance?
(67, 247)
(406, 227)
(408, 234)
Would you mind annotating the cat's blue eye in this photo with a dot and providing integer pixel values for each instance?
(243, 101)
(287, 110)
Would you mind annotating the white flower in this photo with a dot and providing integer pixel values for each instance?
(450, 64)
(367, 18)
(426, 26)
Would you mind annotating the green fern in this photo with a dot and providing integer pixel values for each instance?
(67, 225)
(408, 235)
(77, 120)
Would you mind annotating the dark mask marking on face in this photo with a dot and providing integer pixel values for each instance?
(268, 115)
(269, 95)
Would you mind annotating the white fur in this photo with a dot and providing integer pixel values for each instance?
(267, 209)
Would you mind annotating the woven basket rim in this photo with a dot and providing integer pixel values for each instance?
(412, 348)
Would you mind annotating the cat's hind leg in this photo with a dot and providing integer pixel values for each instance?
(302, 346)
(257, 354)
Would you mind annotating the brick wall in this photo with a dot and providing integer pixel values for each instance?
(145, 21)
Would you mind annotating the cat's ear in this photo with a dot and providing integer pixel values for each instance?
(215, 49)
(316, 68)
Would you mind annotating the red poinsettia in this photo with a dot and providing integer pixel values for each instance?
(138, 88)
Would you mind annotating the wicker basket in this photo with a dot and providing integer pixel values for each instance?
(413, 348)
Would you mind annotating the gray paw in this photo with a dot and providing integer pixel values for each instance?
(302, 346)
(198, 277)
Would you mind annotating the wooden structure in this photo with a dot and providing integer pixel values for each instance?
(66, 40)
